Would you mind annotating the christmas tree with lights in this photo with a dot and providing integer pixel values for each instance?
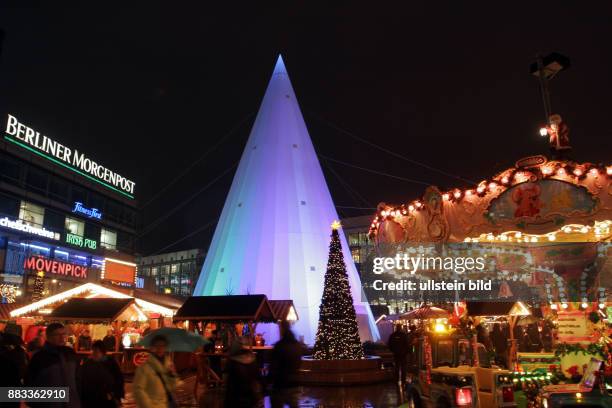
(39, 286)
(338, 333)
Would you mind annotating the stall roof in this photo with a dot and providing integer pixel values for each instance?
(89, 290)
(101, 309)
(283, 309)
(497, 309)
(229, 308)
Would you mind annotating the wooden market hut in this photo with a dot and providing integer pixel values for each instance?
(248, 309)
(99, 310)
(284, 310)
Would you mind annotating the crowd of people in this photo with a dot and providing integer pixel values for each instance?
(529, 338)
(97, 381)
(46, 361)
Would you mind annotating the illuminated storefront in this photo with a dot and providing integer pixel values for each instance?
(64, 218)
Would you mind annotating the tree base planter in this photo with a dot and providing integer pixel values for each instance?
(343, 372)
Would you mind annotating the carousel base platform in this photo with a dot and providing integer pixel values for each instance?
(343, 372)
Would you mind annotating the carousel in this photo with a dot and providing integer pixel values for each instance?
(545, 226)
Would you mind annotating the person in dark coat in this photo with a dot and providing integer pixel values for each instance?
(286, 360)
(13, 362)
(37, 342)
(399, 344)
(110, 342)
(535, 341)
(500, 344)
(243, 388)
(84, 343)
(55, 365)
(101, 381)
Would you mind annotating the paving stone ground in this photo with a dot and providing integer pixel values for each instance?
(381, 395)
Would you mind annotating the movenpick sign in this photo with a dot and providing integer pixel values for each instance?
(38, 263)
(28, 138)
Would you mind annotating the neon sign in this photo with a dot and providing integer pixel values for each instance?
(39, 263)
(18, 225)
(79, 241)
(89, 212)
(26, 137)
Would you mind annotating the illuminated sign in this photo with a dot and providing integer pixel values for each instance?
(18, 225)
(39, 263)
(79, 241)
(89, 212)
(29, 139)
(118, 272)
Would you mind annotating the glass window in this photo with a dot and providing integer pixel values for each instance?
(154, 271)
(173, 268)
(79, 195)
(92, 231)
(108, 239)
(353, 239)
(31, 214)
(355, 254)
(9, 170)
(9, 206)
(36, 179)
(444, 355)
(58, 190)
(54, 220)
(74, 226)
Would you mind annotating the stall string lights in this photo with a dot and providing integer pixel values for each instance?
(564, 171)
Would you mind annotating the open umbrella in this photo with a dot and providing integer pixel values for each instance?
(426, 312)
(178, 339)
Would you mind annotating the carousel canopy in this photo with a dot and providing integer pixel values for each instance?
(81, 309)
(233, 308)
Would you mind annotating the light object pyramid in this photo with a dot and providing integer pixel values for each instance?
(274, 232)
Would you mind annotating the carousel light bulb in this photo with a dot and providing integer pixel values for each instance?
(411, 207)
(457, 194)
(543, 132)
(561, 172)
(492, 185)
(584, 305)
(518, 234)
(445, 196)
(564, 305)
(553, 306)
(551, 237)
(593, 172)
(534, 239)
(468, 193)
(584, 229)
(505, 180)
(609, 170)
(602, 305)
(577, 172)
(503, 237)
(567, 230)
(546, 171)
(418, 204)
(480, 188)
(383, 213)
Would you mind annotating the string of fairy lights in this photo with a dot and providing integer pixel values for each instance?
(530, 170)
(556, 170)
(338, 333)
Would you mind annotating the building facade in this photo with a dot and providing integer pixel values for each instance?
(173, 273)
(363, 250)
(64, 218)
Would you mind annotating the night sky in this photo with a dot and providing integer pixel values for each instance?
(147, 90)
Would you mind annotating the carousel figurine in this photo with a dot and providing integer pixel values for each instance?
(558, 133)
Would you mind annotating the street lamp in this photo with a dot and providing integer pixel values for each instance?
(546, 68)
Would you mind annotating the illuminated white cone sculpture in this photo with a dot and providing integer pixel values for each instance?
(273, 232)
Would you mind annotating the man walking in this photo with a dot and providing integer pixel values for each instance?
(55, 365)
(399, 344)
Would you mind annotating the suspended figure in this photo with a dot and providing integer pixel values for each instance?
(558, 133)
